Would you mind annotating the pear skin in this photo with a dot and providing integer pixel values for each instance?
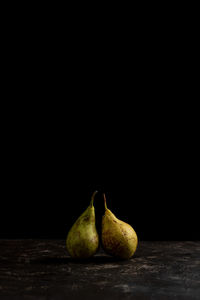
(119, 239)
(83, 239)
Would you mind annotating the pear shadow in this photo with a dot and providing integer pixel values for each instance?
(66, 260)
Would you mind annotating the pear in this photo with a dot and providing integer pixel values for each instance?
(118, 238)
(82, 239)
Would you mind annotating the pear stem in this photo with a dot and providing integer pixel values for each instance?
(92, 199)
(105, 201)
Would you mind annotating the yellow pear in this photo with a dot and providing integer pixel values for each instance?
(118, 238)
(83, 239)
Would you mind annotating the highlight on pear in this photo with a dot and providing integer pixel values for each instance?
(119, 239)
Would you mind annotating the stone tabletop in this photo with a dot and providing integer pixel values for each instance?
(42, 269)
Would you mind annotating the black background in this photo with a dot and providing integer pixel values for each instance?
(144, 163)
(112, 113)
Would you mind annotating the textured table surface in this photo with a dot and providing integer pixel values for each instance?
(42, 269)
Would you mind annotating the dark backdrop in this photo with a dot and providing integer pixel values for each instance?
(115, 114)
(52, 162)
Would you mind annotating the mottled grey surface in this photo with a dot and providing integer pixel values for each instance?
(41, 269)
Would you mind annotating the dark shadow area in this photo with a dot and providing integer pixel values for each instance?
(66, 260)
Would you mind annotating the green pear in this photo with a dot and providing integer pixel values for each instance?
(118, 238)
(82, 239)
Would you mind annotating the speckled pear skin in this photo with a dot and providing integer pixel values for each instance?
(119, 239)
(83, 239)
